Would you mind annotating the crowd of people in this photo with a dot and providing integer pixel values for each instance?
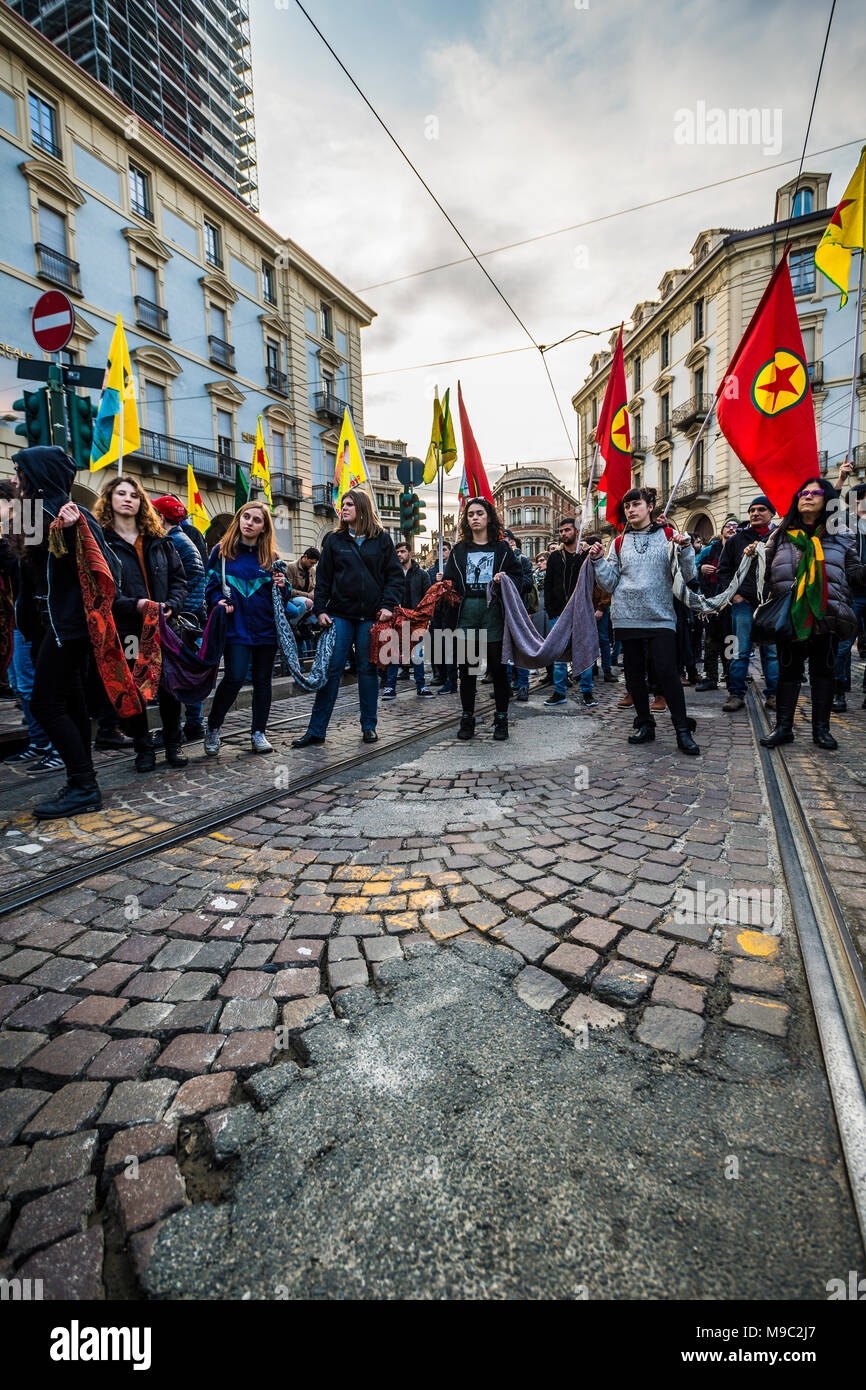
(82, 610)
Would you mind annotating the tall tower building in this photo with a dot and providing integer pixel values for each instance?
(184, 66)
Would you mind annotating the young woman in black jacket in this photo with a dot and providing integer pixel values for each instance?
(359, 580)
(151, 570)
(481, 556)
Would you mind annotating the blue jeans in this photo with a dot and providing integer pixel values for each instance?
(22, 671)
(521, 674)
(417, 672)
(241, 663)
(350, 633)
(742, 617)
(843, 656)
(560, 678)
(603, 625)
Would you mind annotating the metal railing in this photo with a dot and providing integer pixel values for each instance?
(326, 403)
(699, 482)
(278, 381)
(638, 446)
(692, 410)
(59, 269)
(286, 486)
(663, 431)
(221, 352)
(816, 373)
(177, 453)
(150, 315)
(323, 498)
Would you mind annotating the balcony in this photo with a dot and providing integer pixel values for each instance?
(176, 453)
(221, 353)
(286, 487)
(59, 269)
(823, 460)
(664, 431)
(152, 316)
(816, 373)
(863, 366)
(860, 457)
(692, 412)
(330, 406)
(393, 447)
(278, 381)
(639, 446)
(323, 499)
(697, 486)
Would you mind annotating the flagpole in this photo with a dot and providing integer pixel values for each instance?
(120, 441)
(439, 492)
(587, 494)
(850, 453)
(698, 437)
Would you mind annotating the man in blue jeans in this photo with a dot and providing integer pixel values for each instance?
(416, 582)
(858, 599)
(563, 568)
(761, 513)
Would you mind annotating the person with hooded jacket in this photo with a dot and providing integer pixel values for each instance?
(50, 613)
(172, 513)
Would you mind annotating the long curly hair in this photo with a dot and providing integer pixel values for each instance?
(147, 518)
(230, 543)
(494, 525)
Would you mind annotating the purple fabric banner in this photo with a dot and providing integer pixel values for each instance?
(574, 631)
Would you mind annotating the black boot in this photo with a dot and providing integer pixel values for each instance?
(145, 758)
(822, 703)
(173, 755)
(786, 708)
(840, 704)
(645, 731)
(500, 726)
(71, 800)
(467, 727)
(685, 742)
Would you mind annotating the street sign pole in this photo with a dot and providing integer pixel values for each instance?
(57, 408)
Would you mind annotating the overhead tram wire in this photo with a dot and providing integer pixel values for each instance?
(419, 176)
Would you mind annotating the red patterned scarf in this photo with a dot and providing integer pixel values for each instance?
(128, 691)
(384, 635)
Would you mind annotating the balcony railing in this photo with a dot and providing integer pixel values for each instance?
(691, 411)
(278, 381)
(150, 315)
(663, 431)
(59, 269)
(823, 460)
(323, 499)
(638, 446)
(374, 445)
(698, 483)
(221, 352)
(863, 366)
(177, 453)
(325, 403)
(45, 143)
(860, 457)
(286, 486)
(816, 373)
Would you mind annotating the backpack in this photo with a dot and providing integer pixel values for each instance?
(617, 545)
(531, 600)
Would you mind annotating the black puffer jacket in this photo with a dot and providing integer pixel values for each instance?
(560, 580)
(49, 598)
(416, 582)
(730, 563)
(165, 580)
(843, 570)
(353, 582)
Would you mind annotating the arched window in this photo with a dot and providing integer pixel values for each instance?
(803, 202)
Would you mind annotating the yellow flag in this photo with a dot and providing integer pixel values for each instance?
(443, 446)
(846, 232)
(194, 505)
(261, 468)
(350, 469)
(118, 386)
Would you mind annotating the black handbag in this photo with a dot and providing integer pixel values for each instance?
(771, 621)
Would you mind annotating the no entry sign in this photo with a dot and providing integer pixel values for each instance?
(53, 321)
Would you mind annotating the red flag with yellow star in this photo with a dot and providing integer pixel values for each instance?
(765, 400)
(613, 437)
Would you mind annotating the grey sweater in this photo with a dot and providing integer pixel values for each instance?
(640, 581)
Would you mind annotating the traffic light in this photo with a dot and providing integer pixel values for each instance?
(419, 517)
(36, 425)
(407, 512)
(82, 413)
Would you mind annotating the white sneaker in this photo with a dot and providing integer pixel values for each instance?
(212, 742)
(260, 743)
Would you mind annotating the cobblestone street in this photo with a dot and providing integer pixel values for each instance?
(494, 968)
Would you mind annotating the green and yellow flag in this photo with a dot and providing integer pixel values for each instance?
(115, 430)
(194, 505)
(261, 468)
(846, 232)
(443, 446)
(350, 469)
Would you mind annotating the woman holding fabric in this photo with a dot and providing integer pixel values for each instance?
(481, 555)
(359, 581)
(241, 577)
(151, 572)
(819, 567)
(637, 571)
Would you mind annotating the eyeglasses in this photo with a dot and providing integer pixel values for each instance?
(811, 492)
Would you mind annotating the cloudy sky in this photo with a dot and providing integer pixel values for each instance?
(526, 118)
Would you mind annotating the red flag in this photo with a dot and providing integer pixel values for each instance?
(474, 476)
(613, 437)
(765, 406)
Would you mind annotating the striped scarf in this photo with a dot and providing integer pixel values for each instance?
(810, 584)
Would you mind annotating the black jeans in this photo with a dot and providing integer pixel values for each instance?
(821, 652)
(658, 648)
(237, 660)
(59, 702)
(169, 714)
(718, 631)
(469, 681)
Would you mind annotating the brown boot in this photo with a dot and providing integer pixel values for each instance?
(626, 702)
(659, 704)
